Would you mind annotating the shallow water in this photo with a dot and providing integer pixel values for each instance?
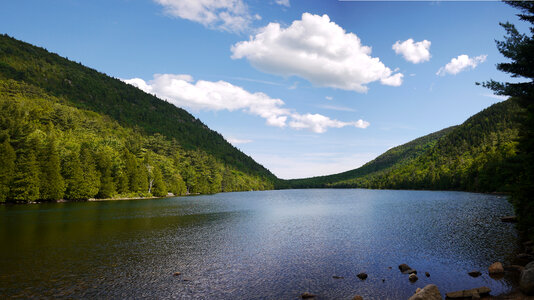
(262, 245)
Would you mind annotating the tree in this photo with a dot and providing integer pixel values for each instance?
(159, 188)
(519, 48)
(104, 163)
(25, 186)
(7, 168)
(52, 185)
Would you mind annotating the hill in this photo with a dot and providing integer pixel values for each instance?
(478, 155)
(89, 89)
(70, 132)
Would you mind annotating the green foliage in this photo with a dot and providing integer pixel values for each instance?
(164, 125)
(479, 155)
(52, 185)
(7, 168)
(50, 150)
(519, 48)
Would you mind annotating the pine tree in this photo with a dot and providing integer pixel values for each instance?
(104, 162)
(177, 185)
(25, 186)
(159, 188)
(52, 185)
(519, 48)
(91, 183)
(7, 168)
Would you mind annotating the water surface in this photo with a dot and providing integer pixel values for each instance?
(255, 245)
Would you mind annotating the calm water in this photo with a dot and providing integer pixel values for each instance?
(263, 245)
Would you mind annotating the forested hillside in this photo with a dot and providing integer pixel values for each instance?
(393, 157)
(70, 132)
(479, 155)
(88, 89)
(50, 150)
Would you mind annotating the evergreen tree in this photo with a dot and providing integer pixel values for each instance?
(52, 185)
(159, 188)
(25, 185)
(91, 183)
(177, 185)
(519, 48)
(7, 168)
(104, 162)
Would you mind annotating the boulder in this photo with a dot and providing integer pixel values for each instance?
(429, 292)
(357, 297)
(307, 295)
(362, 276)
(496, 269)
(514, 268)
(404, 267)
(413, 277)
(526, 280)
(472, 293)
(474, 273)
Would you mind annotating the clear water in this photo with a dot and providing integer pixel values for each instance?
(255, 245)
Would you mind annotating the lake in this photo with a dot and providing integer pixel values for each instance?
(255, 245)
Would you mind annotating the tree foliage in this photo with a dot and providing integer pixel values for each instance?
(519, 48)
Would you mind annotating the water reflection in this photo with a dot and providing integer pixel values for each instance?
(273, 245)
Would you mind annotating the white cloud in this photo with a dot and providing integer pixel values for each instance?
(461, 63)
(338, 108)
(413, 52)
(235, 141)
(330, 98)
(182, 91)
(229, 15)
(318, 50)
(498, 97)
(282, 2)
(319, 123)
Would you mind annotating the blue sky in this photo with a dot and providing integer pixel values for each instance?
(305, 87)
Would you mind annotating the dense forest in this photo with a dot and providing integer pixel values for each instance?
(479, 155)
(88, 89)
(70, 132)
(50, 150)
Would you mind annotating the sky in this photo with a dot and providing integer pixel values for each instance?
(305, 87)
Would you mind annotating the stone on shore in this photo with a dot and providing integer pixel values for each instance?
(474, 273)
(362, 276)
(496, 269)
(404, 267)
(429, 292)
(413, 277)
(526, 281)
(307, 295)
(472, 293)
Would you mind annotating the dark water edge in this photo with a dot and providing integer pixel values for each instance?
(268, 245)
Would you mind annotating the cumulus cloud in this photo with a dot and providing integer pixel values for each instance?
(182, 91)
(318, 50)
(228, 15)
(282, 2)
(461, 63)
(413, 52)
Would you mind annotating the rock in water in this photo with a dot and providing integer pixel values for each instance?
(357, 297)
(496, 269)
(362, 276)
(526, 281)
(337, 277)
(176, 274)
(404, 267)
(472, 293)
(427, 274)
(429, 292)
(307, 295)
(410, 271)
(413, 277)
(474, 273)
